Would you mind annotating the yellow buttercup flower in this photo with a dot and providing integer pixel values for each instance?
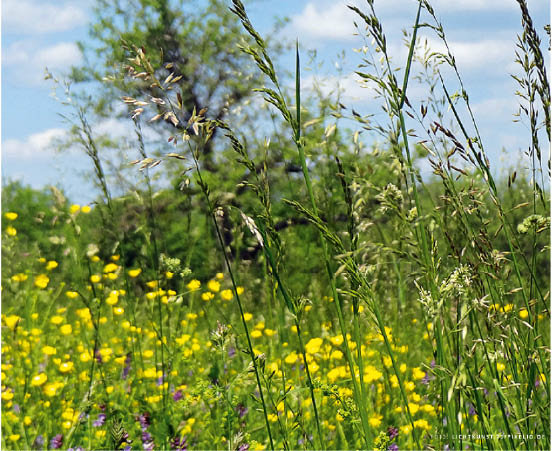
(39, 379)
(313, 346)
(10, 216)
(213, 286)
(66, 367)
(41, 281)
(86, 209)
(49, 350)
(375, 420)
(51, 265)
(11, 231)
(11, 321)
(134, 272)
(19, 277)
(71, 294)
(66, 329)
(226, 295)
(74, 209)
(193, 285)
(110, 267)
(95, 278)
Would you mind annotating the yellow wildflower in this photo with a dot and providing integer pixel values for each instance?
(41, 281)
(52, 264)
(193, 285)
(375, 420)
(49, 350)
(213, 286)
(11, 321)
(19, 277)
(66, 329)
(226, 295)
(66, 367)
(313, 345)
(56, 320)
(10, 216)
(134, 272)
(110, 267)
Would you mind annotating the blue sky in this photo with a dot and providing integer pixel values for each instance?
(38, 34)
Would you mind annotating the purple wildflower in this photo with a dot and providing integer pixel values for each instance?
(16, 408)
(231, 352)
(38, 441)
(127, 448)
(244, 447)
(98, 356)
(146, 437)
(393, 447)
(100, 421)
(179, 444)
(392, 432)
(426, 379)
(126, 368)
(57, 441)
(144, 420)
(471, 410)
(177, 395)
(242, 410)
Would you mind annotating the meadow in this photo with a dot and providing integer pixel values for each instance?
(307, 291)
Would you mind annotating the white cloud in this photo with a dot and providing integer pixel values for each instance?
(332, 20)
(38, 146)
(27, 61)
(32, 16)
(481, 56)
(351, 87)
(445, 6)
(317, 21)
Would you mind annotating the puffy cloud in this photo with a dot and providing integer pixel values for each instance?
(332, 22)
(32, 16)
(37, 146)
(350, 86)
(26, 62)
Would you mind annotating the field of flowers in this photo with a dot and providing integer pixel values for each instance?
(127, 361)
(353, 304)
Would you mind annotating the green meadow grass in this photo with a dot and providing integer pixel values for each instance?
(401, 313)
